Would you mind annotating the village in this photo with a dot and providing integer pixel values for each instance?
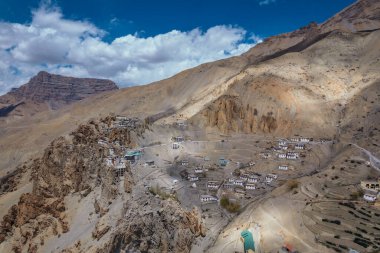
(215, 174)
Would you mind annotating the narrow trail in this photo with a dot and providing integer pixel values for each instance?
(375, 162)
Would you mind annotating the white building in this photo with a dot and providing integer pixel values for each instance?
(228, 185)
(250, 187)
(303, 139)
(109, 161)
(299, 146)
(270, 177)
(208, 198)
(282, 156)
(283, 167)
(184, 162)
(213, 185)
(282, 143)
(198, 170)
(253, 179)
(370, 196)
(294, 139)
(192, 178)
(239, 182)
(102, 142)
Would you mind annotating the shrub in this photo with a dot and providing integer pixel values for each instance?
(292, 184)
(229, 206)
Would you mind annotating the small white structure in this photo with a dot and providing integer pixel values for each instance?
(250, 187)
(284, 147)
(304, 139)
(292, 156)
(270, 177)
(213, 185)
(274, 176)
(185, 162)
(192, 178)
(238, 182)
(228, 185)
(265, 155)
(294, 139)
(283, 167)
(251, 163)
(282, 156)
(198, 170)
(175, 145)
(121, 118)
(102, 142)
(109, 161)
(282, 143)
(252, 179)
(208, 198)
(370, 196)
(299, 146)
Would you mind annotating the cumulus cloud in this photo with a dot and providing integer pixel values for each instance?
(76, 48)
(266, 2)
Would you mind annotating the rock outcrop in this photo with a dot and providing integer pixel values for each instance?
(71, 164)
(51, 90)
(229, 114)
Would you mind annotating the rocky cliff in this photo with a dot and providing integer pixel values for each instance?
(52, 90)
(74, 167)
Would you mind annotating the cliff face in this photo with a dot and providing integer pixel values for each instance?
(229, 114)
(74, 167)
(52, 90)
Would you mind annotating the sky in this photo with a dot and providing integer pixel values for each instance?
(141, 41)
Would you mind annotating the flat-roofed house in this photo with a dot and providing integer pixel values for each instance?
(250, 187)
(192, 177)
(283, 167)
(370, 185)
(282, 156)
(214, 185)
(208, 198)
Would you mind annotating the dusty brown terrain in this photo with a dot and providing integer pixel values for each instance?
(321, 81)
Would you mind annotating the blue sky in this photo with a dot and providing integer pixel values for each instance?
(136, 42)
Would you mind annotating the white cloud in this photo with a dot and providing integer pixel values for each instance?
(266, 2)
(76, 48)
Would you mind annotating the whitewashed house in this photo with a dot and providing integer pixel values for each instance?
(198, 170)
(239, 182)
(185, 162)
(282, 143)
(208, 198)
(192, 177)
(214, 185)
(299, 146)
(370, 196)
(283, 167)
(304, 139)
(282, 156)
(250, 187)
(252, 179)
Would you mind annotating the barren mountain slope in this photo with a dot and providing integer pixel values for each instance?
(20, 139)
(190, 91)
(299, 93)
(49, 92)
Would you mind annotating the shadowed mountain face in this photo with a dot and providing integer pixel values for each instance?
(50, 91)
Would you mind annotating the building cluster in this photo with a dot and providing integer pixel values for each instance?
(371, 190)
